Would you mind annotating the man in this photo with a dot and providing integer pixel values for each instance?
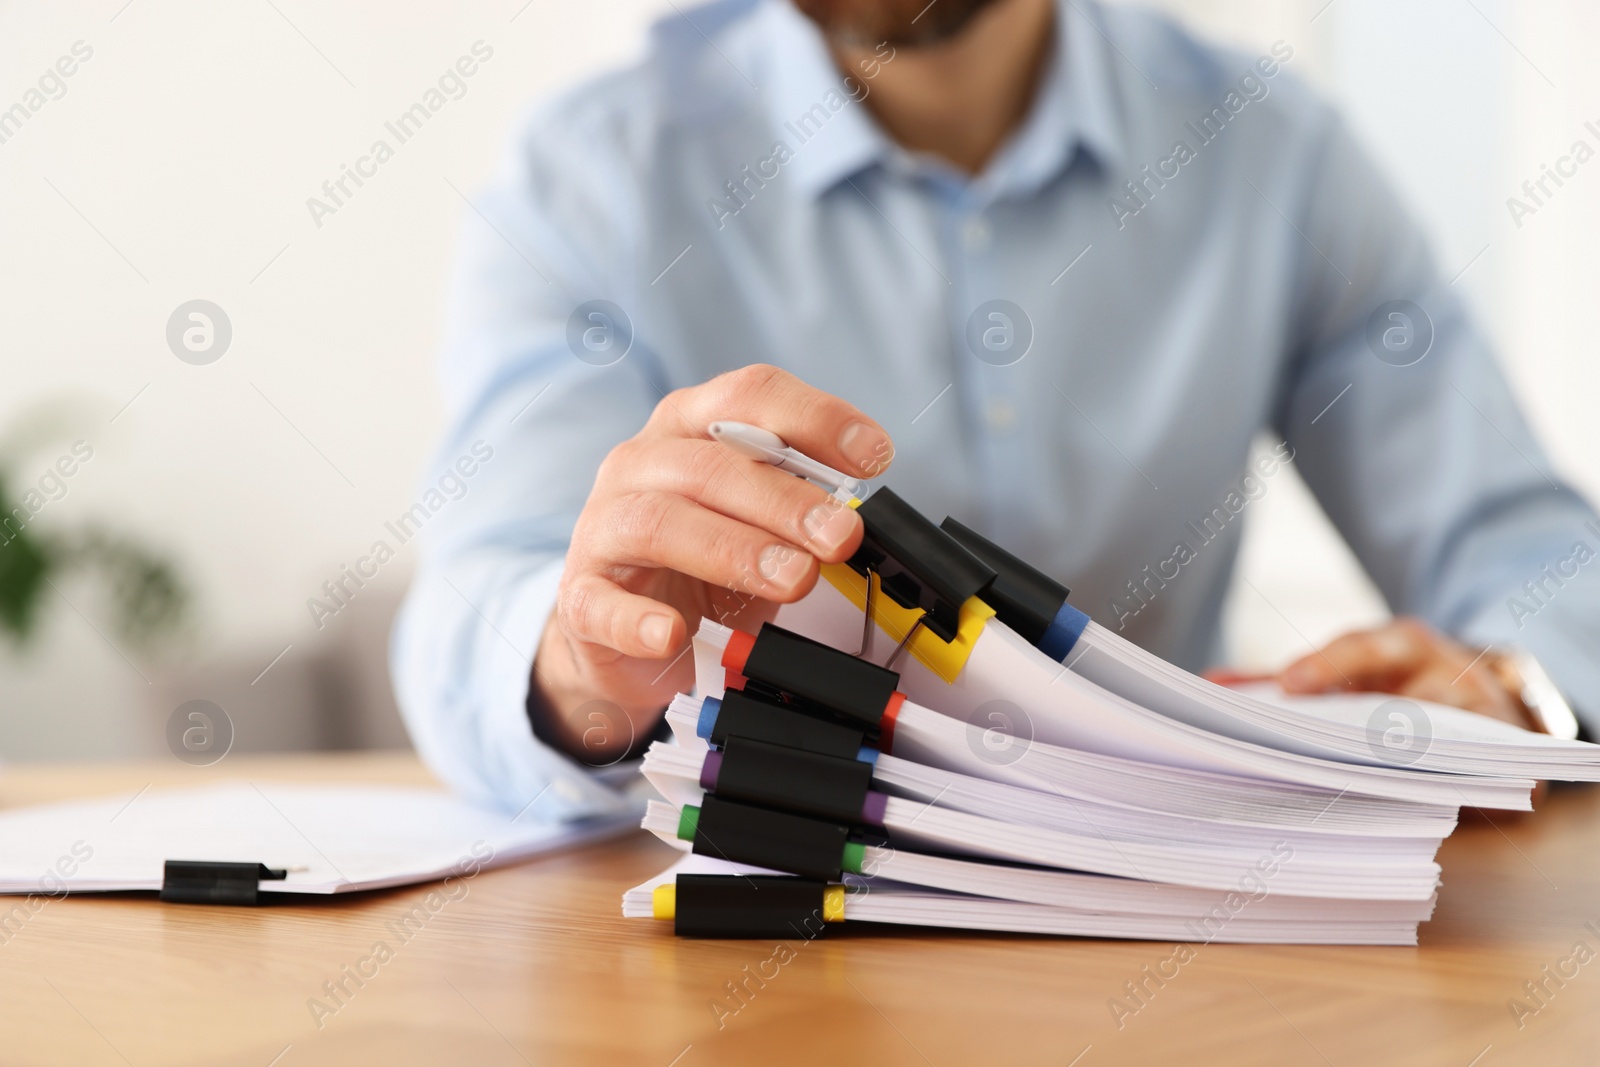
(1059, 262)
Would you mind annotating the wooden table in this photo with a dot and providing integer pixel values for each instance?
(535, 965)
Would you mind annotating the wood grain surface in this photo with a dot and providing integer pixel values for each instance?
(534, 965)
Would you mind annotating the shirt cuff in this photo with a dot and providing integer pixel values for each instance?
(570, 789)
(1564, 647)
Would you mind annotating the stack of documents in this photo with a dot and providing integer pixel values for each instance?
(1103, 792)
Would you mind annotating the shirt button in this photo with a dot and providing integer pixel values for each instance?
(1000, 414)
(975, 234)
(567, 791)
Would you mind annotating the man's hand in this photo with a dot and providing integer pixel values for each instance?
(678, 527)
(1408, 658)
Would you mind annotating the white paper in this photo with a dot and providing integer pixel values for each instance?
(334, 839)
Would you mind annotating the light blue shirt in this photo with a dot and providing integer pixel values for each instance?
(1190, 248)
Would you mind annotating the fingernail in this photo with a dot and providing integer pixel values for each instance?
(830, 526)
(783, 566)
(655, 631)
(868, 449)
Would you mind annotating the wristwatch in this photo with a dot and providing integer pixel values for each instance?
(1525, 677)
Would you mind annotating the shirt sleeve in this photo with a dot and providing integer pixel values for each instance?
(1408, 433)
(542, 374)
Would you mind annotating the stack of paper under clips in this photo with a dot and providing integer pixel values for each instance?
(1027, 770)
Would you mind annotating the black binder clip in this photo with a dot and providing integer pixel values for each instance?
(206, 882)
(759, 716)
(919, 566)
(814, 674)
(1024, 597)
(756, 905)
(806, 783)
(778, 840)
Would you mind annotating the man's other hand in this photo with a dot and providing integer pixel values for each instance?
(1408, 658)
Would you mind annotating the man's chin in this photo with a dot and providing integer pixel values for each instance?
(905, 23)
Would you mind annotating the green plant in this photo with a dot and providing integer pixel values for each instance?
(148, 598)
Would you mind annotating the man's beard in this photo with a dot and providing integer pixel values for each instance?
(899, 22)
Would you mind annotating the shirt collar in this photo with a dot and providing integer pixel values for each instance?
(813, 107)
(1075, 107)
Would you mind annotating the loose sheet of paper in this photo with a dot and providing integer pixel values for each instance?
(334, 839)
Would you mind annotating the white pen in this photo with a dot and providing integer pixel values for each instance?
(768, 447)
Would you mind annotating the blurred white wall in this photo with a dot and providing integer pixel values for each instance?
(177, 164)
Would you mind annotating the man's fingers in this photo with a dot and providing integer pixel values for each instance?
(1227, 676)
(666, 530)
(1409, 659)
(1475, 689)
(1309, 674)
(1379, 659)
(819, 424)
(753, 493)
(595, 610)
